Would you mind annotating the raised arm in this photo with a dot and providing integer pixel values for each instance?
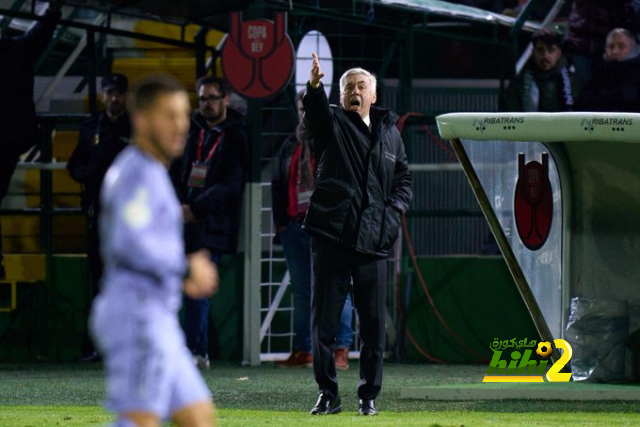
(318, 117)
(316, 71)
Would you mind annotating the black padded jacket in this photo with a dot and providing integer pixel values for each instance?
(363, 183)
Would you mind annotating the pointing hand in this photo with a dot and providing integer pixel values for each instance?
(316, 71)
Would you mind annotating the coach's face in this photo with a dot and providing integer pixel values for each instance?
(357, 94)
(167, 124)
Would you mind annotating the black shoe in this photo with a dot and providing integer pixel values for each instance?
(91, 357)
(327, 405)
(366, 407)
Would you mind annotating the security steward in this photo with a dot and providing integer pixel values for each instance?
(101, 139)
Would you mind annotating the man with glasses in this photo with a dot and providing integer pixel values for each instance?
(210, 179)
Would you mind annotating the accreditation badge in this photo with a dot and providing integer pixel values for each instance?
(198, 175)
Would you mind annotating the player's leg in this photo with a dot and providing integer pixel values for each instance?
(200, 414)
(190, 403)
(138, 419)
(138, 356)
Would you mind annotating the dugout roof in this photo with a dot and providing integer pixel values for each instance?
(542, 127)
(421, 14)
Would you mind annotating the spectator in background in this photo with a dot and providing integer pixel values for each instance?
(210, 180)
(18, 125)
(616, 77)
(101, 139)
(546, 84)
(293, 182)
(589, 23)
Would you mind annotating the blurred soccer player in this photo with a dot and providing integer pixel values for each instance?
(134, 321)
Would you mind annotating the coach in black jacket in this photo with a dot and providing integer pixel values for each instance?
(363, 186)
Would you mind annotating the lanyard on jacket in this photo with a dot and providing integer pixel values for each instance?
(213, 149)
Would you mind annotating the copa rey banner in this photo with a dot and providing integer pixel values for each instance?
(258, 56)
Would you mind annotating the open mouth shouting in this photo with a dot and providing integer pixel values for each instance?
(354, 104)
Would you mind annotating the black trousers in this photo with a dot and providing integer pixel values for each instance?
(334, 266)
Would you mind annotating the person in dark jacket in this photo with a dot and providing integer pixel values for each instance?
(19, 127)
(589, 23)
(615, 86)
(546, 84)
(363, 186)
(211, 177)
(101, 139)
(292, 184)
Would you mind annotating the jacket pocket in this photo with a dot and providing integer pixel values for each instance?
(389, 228)
(329, 207)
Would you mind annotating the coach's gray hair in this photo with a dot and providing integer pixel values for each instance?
(372, 79)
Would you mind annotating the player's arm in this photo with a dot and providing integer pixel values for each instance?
(202, 278)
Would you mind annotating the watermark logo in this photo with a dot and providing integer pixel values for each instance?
(521, 367)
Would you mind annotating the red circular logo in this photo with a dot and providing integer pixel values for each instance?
(258, 56)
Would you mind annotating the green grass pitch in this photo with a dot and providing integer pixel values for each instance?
(71, 395)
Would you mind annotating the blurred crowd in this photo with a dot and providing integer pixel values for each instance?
(593, 67)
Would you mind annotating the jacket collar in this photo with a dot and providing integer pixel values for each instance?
(378, 116)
